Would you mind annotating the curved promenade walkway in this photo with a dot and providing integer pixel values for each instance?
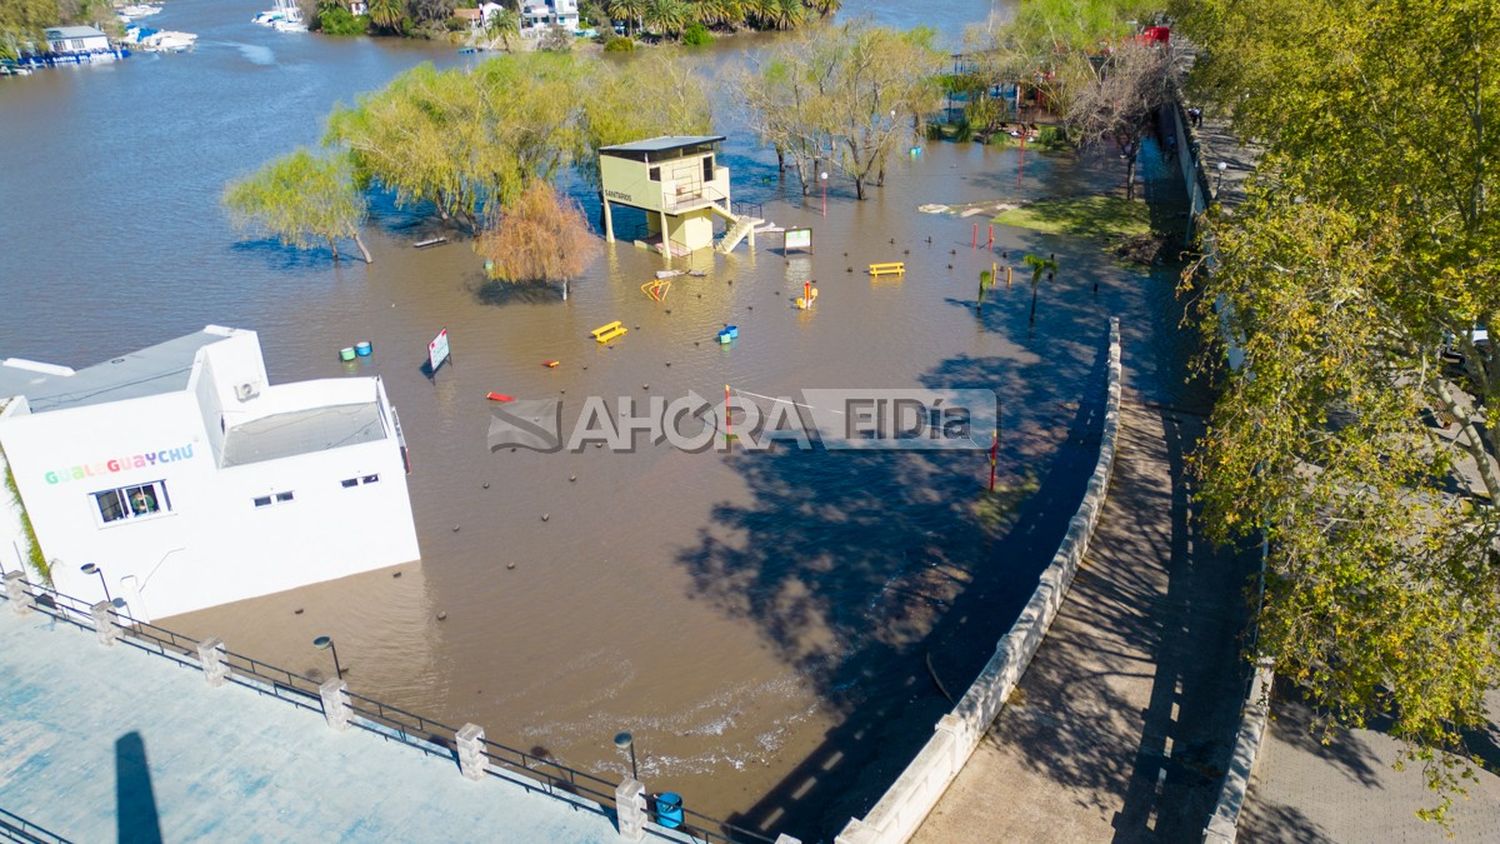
(1122, 725)
(114, 743)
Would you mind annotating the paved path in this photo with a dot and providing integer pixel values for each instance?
(100, 744)
(1348, 791)
(1121, 727)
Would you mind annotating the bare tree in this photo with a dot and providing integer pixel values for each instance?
(1117, 102)
(540, 237)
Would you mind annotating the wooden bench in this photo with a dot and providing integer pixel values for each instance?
(889, 268)
(608, 331)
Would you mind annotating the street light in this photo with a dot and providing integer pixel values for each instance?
(90, 568)
(823, 178)
(325, 643)
(1223, 165)
(624, 741)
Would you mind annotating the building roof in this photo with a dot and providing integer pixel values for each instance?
(301, 432)
(664, 143)
(73, 32)
(163, 368)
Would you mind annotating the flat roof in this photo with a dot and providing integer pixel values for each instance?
(664, 143)
(163, 368)
(73, 32)
(301, 432)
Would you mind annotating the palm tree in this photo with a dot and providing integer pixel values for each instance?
(629, 11)
(718, 12)
(387, 14)
(758, 11)
(667, 17)
(788, 14)
(505, 25)
(1038, 266)
(826, 7)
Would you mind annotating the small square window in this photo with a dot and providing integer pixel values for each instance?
(655, 174)
(348, 482)
(369, 479)
(283, 496)
(110, 508)
(263, 501)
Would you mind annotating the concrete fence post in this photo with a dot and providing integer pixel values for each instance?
(18, 591)
(630, 809)
(470, 741)
(211, 658)
(336, 708)
(106, 624)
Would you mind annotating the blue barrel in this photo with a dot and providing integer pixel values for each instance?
(669, 809)
(362, 348)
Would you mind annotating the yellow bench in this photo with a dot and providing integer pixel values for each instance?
(608, 331)
(889, 268)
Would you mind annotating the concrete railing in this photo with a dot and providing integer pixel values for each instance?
(908, 801)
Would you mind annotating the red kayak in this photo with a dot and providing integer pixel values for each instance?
(550, 363)
(499, 397)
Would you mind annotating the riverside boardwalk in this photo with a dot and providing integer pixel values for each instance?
(103, 743)
(1121, 727)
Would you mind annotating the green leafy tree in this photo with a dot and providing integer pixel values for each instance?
(22, 22)
(614, 112)
(1361, 451)
(300, 199)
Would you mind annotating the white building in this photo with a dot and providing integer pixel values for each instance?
(190, 481)
(539, 15)
(64, 40)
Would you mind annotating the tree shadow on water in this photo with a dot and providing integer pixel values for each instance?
(279, 257)
(875, 573)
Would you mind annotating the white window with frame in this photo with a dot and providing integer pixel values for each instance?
(132, 503)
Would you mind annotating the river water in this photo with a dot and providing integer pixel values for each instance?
(767, 625)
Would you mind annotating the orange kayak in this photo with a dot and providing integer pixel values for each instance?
(550, 363)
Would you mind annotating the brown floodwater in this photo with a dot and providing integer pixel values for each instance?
(768, 625)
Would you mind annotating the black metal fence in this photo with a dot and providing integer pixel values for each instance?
(426, 734)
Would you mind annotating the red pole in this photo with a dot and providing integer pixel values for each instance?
(807, 293)
(974, 239)
(991, 244)
(728, 428)
(994, 456)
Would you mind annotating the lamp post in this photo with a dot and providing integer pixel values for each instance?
(325, 643)
(626, 742)
(90, 568)
(823, 178)
(1223, 165)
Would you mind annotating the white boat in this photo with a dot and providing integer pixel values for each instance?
(138, 11)
(285, 16)
(164, 41)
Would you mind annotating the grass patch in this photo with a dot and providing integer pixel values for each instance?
(1104, 217)
(34, 548)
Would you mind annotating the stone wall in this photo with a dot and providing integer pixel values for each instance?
(907, 802)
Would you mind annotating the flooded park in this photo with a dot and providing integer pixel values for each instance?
(777, 629)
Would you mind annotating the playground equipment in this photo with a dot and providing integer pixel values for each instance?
(499, 397)
(728, 333)
(888, 268)
(656, 290)
(808, 297)
(608, 331)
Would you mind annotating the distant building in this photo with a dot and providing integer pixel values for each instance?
(681, 187)
(191, 481)
(358, 7)
(76, 40)
(537, 16)
(473, 17)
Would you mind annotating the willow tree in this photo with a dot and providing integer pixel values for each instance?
(615, 112)
(848, 96)
(301, 199)
(1364, 454)
(541, 236)
(465, 141)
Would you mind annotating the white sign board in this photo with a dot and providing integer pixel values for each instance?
(798, 239)
(437, 350)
